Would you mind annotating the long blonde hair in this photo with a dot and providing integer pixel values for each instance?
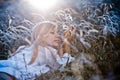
(37, 37)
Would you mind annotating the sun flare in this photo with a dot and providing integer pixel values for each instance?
(43, 4)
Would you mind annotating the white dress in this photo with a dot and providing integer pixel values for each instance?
(47, 59)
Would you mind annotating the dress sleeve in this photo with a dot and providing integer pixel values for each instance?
(66, 58)
(38, 70)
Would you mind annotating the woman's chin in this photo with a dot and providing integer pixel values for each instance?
(55, 46)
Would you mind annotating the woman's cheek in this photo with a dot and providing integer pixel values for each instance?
(56, 44)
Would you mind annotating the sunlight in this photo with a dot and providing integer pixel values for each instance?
(43, 5)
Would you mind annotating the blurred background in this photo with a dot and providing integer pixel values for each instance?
(97, 38)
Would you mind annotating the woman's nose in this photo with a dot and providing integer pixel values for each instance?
(57, 35)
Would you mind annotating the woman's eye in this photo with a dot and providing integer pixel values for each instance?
(52, 32)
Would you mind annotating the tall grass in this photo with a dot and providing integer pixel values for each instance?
(94, 44)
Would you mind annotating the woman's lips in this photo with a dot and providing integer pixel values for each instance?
(58, 41)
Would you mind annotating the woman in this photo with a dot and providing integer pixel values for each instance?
(38, 58)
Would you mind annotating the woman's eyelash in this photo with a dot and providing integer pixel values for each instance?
(52, 32)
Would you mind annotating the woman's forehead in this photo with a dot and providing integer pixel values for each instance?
(54, 29)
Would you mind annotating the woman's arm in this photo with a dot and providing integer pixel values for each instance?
(38, 69)
(64, 49)
(64, 59)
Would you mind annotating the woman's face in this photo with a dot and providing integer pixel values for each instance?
(53, 39)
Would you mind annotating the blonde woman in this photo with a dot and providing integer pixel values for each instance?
(38, 58)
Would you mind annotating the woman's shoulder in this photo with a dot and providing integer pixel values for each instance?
(22, 50)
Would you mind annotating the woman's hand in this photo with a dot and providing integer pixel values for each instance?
(69, 35)
(65, 45)
(60, 50)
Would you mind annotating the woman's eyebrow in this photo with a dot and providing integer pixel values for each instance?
(52, 31)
